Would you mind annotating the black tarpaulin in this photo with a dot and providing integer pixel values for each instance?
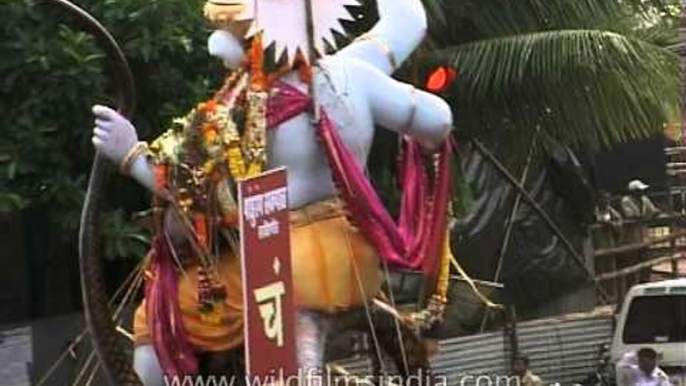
(537, 266)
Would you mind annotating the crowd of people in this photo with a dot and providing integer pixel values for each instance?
(635, 205)
(638, 368)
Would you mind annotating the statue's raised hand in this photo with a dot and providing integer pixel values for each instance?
(114, 136)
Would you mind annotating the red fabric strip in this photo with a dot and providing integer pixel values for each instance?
(171, 344)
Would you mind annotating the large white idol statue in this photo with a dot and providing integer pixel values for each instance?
(334, 267)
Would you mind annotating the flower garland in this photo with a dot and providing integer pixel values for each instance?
(202, 156)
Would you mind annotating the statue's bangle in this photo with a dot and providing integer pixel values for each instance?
(133, 154)
(383, 47)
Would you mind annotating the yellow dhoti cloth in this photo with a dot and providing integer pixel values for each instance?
(334, 268)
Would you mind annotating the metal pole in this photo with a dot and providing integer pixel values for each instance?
(312, 53)
(510, 225)
(511, 336)
(515, 209)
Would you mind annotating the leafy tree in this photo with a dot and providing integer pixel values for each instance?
(52, 73)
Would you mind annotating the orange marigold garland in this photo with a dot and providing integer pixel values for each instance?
(257, 76)
(204, 154)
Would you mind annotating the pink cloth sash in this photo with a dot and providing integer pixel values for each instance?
(416, 240)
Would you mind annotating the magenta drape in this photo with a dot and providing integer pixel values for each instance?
(171, 344)
(416, 240)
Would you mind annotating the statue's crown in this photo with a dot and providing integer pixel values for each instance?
(283, 23)
(223, 12)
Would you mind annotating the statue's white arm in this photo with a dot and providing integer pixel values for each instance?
(114, 136)
(401, 27)
(400, 107)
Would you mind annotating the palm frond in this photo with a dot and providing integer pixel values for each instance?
(583, 86)
(435, 11)
(659, 34)
(461, 21)
(497, 18)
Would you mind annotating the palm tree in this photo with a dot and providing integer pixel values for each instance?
(585, 72)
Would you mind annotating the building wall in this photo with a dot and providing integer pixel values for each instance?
(563, 349)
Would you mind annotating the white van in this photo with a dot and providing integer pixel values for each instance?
(654, 315)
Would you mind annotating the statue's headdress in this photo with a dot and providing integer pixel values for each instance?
(224, 12)
(284, 22)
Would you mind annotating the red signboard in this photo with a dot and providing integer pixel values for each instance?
(267, 281)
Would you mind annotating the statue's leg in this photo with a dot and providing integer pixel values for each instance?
(147, 366)
(312, 329)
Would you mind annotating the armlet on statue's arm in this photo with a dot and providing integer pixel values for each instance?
(400, 107)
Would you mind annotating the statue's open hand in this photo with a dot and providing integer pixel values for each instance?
(114, 136)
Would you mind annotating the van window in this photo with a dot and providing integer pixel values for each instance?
(656, 319)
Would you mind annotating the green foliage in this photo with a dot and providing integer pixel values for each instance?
(124, 238)
(52, 73)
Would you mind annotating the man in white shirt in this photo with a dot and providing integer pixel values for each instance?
(640, 369)
(520, 369)
(637, 204)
